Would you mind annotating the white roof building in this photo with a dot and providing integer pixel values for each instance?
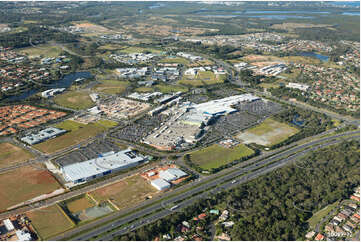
(160, 184)
(299, 86)
(42, 135)
(172, 174)
(223, 106)
(103, 165)
(8, 225)
(23, 236)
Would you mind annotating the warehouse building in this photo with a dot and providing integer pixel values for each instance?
(43, 135)
(8, 225)
(105, 164)
(172, 174)
(160, 184)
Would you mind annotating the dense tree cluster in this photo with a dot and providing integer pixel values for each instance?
(275, 206)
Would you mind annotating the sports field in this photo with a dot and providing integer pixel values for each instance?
(78, 133)
(125, 193)
(74, 99)
(24, 183)
(112, 86)
(50, 221)
(11, 154)
(216, 155)
(268, 133)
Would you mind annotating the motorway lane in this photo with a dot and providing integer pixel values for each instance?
(65, 196)
(225, 186)
(208, 185)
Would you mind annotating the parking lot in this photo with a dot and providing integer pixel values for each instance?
(141, 128)
(260, 108)
(249, 115)
(87, 152)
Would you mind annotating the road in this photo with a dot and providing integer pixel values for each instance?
(192, 188)
(238, 82)
(195, 194)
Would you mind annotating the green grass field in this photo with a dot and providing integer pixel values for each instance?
(11, 154)
(191, 82)
(134, 49)
(170, 88)
(49, 221)
(268, 133)
(22, 184)
(78, 133)
(203, 78)
(144, 89)
(126, 193)
(74, 99)
(111, 86)
(42, 50)
(215, 155)
(317, 217)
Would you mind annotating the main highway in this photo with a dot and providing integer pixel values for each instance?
(264, 163)
(239, 176)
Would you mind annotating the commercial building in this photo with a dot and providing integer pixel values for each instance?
(187, 121)
(52, 92)
(105, 164)
(298, 86)
(144, 96)
(160, 184)
(43, 135)
(222, 106)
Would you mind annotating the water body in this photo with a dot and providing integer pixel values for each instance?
(266, 14)
(351, 13)
(347, 4)
(158, 5)
(314, 55)
(281, 17)
(282, 12)
(63, 83)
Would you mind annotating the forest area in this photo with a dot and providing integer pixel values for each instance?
(275, 206)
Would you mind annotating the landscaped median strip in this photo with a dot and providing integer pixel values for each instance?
(197, 185)
(219, 185)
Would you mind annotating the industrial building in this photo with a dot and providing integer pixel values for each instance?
(8, 225)
(172, 174)
(42, 135)
(23, 235)
(165, 177)
(160, 184)
(105, 164)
